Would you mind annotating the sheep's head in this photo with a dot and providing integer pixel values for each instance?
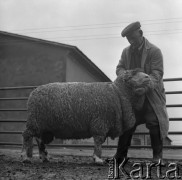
(136, 79)
(135, 83)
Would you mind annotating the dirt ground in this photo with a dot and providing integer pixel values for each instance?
(66, 167)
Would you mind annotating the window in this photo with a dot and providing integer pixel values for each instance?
(136, 141)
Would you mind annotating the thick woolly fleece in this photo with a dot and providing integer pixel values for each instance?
(83, 110)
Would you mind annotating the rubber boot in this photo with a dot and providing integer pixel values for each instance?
(123, 145)
(156, 143)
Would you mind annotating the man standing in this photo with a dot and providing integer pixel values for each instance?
(142, 54)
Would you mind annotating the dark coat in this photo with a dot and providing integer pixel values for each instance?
(152, 64)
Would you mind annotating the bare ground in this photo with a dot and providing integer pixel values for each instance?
(63, 167)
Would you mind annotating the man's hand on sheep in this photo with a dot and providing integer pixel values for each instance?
(148, 84)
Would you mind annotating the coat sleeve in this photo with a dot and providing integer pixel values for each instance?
(121, 67)
(156, 69)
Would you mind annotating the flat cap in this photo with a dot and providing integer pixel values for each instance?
(130, 28)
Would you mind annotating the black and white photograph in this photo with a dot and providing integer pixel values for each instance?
(90, 89)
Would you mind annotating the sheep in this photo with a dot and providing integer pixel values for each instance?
(79, 110)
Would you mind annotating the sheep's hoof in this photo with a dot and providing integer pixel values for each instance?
(98, 160)
(27, 161)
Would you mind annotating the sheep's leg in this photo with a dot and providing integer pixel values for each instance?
(98, 141)
(27, 146)
(42, 150)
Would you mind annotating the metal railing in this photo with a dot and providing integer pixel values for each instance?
(81, 145)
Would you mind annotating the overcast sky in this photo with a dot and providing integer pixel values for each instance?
(94, 26)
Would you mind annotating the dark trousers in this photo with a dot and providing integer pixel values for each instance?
(147, 116)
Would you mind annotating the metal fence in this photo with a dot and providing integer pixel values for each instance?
(79, 145)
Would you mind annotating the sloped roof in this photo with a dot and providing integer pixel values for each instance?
(83, 58)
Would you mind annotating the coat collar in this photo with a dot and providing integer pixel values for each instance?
(147, 45)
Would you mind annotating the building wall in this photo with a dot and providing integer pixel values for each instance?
(24, 62)
(76, 72)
